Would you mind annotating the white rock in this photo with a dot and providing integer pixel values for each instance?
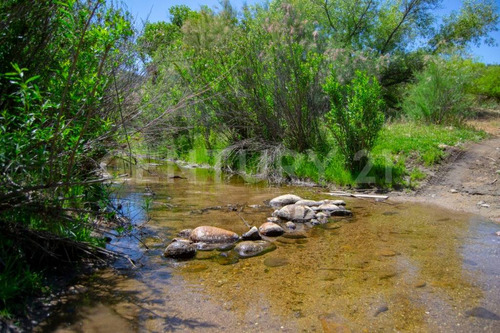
(285, 199)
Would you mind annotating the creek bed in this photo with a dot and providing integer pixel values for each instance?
(404, 267)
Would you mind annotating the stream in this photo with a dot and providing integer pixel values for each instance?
(391, 267)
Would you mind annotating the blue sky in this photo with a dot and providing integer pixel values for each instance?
(157, 10)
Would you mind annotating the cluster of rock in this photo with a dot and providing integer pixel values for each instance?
(293, 215)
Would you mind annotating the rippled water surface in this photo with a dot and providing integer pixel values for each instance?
(402, 267)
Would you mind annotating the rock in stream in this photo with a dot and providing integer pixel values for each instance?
(180, 249)
(270, 229)
(208, 234)
(283, 200)
(248, 249)
(296, 213)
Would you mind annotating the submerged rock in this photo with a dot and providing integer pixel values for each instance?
(381, 309)
(201, 246)
(276, 262)
(271, 229)
(291, 225)
(285, 199)
(208, 234)
(296, 213)
(480, 312)
(180, 249)
(227, 258)
(248, 249)
(295, 235)
(252, 234)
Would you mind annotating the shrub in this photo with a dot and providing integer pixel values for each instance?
(488, 83)
(356, 116)
(438, 95)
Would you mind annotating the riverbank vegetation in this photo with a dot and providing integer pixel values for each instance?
(61, 82)
(300, 89)
(354, 93)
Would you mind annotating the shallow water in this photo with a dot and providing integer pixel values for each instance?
(392, 267)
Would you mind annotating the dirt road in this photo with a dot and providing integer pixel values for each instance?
(469, 180)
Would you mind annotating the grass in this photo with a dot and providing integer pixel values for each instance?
(408, 145)
(401, 153)
(422, 142)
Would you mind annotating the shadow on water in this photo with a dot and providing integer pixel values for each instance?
(106, 304)
(403, 267)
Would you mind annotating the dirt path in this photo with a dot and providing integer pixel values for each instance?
(470, 179)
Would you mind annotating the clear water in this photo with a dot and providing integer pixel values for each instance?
(393, 267)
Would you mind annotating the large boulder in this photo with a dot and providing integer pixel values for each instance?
(180, 249)
(296, 213)
(250, 249)
(285, 199)
(270, 229)
(208, 234)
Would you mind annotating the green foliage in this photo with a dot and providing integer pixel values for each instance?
(356, 117)
(179, 14)
(257, 78)
(58, 60)
(160, 36)
(487, 83)
(472, 24)
(438, 95)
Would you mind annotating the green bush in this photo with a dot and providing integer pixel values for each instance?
(356, 116)
(61, 63)
(488, 83)
(438, 95)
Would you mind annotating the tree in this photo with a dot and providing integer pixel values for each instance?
(471, 25)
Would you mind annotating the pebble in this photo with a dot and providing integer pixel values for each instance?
(381, 309)
(420, 284)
